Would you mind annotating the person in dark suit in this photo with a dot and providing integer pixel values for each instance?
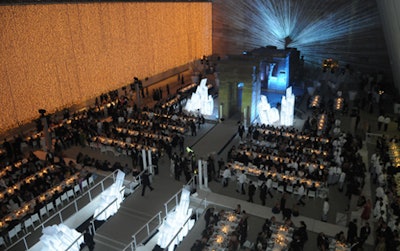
(364, 232)
(252, 190)
(263, 193)
(146, 181)
(352, 231)
(88, 239)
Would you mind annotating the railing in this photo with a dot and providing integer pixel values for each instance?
(192, 183)
(186, 222)
(115, 201)
(59, 213)
(22, 238)
(88, 192)
(133, 244)
(74, 243)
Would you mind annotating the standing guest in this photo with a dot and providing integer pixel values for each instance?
(238, 209)
(364, 233)
(301, 192)
(226, 176)
(242, 179)
(322, 242)
(386, 123)
(381, 120)
(325, 210)
(208, 216)
(352, 231)
(269, 185)
(398, 123)
(342, 178)
(296, 244)
(88, 240)
(146, 181)
(302, 232)
(221, 164)
(252, 190)
(283, 203)
(263, 193)
(276, 209)
(366, 213)
(241, 130)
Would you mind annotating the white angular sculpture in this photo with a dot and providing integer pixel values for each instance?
(287, 108)
(174, 221)
(267, 115)
(200, 100)
(108, 196)
(60, 237)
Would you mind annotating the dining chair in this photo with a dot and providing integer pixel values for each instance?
(312, 194)
(35, 218)
(2, 241)
(289, 189)
(28, 223)
(11, 234)
(58, 202)
(77, 189)
(91, 180)
(18, 229)
(43, 212)
(85, 184)
(64, 197)
(50, 207)
(70, 193)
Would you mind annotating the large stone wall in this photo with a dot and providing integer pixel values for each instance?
(56, 55)
(348, 31)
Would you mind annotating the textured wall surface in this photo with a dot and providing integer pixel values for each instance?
(53, 56)
(348, 31)
(389, 10)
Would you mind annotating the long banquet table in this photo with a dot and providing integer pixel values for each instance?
(228, 223)
(275, 175)
(28, 206)
(280, 239)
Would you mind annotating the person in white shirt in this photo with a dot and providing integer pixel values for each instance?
(325, 210)
(269, 186)
(379, 192)
(382, 179)
(301, 192)
(386, 123)
(378, 171)
(226, 175)
(242, 179)
(381, 120)
(342, 178)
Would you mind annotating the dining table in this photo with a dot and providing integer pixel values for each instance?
(281, 238)
(222, 232)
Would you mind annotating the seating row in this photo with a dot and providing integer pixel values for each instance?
(46, 210)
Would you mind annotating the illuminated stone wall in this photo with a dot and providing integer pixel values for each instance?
(389, 11)
(56, 55)
(349, 31)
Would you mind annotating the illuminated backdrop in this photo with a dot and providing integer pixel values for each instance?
(349, 31)
(56, 55)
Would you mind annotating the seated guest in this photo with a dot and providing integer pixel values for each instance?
(277, 208)
(208, 216)
(322, 242)
(135, 171)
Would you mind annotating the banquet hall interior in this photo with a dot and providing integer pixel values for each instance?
(160, 125)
